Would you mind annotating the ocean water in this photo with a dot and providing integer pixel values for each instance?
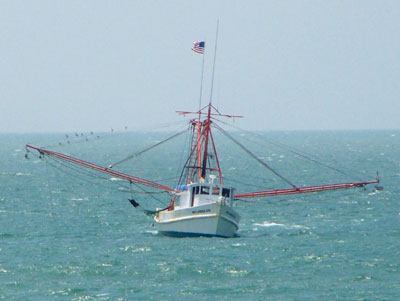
(65, 235)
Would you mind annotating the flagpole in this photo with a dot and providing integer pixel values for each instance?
(215, 56)
(201, 80)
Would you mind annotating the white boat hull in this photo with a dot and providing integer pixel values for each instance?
(215, 219)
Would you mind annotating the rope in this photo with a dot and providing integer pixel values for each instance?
(146, 149)
(254, 156)
(153, 197)
(87, 173)
(294, 151)
(76, 138)
(229, 179)
(73, 175)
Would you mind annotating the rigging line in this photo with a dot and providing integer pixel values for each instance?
(166, 179)
(146, 149)
(183, 151)
(141, 192)
(74, 175)
(161, 126)
(215, 57)
(201, 81)
(71, 167)
(194, 147)
(85, 171)
(294, 151)
(72, 139)
(96, 176)
(252, 176)
(244, 183)
(130, 186)
(146, 192)
(91, 182)
(80, 139)
(184, 169)
(93, 175)
(254, 156)
(77, 170)
(285, 198)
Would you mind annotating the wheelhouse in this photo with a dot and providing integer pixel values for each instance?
(204, 193)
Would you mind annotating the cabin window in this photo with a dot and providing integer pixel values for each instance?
(226, 192)
(196, 189)
(215, 191)
(205, 190)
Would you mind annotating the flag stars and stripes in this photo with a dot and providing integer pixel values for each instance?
(199, 47)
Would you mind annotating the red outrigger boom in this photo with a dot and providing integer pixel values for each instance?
(203, 129)
(202, 167)
(102, 169)
(304, 189)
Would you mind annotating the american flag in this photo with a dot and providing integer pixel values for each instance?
(199, 47)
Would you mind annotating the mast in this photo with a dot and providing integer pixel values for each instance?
(198, 124)
(206, 133)
(207, 125)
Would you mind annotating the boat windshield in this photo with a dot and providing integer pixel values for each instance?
(216, 191)
(205, 190)
(225, 192)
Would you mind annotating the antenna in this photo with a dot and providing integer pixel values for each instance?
(215, 56)
(201, 81)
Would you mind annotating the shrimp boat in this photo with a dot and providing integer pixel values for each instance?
(200, 204)
(201, 207)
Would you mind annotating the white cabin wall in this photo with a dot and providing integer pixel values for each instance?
(183, 200)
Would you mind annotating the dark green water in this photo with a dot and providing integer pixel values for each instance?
(64, 238)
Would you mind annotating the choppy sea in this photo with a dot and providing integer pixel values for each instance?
(69, 235)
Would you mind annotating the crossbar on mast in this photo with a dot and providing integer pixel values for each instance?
(206, 113)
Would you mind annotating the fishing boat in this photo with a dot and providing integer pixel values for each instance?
(200, 204)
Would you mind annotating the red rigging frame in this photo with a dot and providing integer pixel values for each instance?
(202, 137)
(101, 169)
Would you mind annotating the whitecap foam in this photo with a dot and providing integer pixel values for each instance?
(238, 244)
(268, 224)
(79, 199)
(133, 249)
(22, 174)
(237, 271)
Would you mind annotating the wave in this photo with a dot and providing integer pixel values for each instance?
(22, 174)
(267, 224)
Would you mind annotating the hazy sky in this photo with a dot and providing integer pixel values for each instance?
(284, 65)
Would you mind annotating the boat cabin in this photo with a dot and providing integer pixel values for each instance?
(198, 194)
